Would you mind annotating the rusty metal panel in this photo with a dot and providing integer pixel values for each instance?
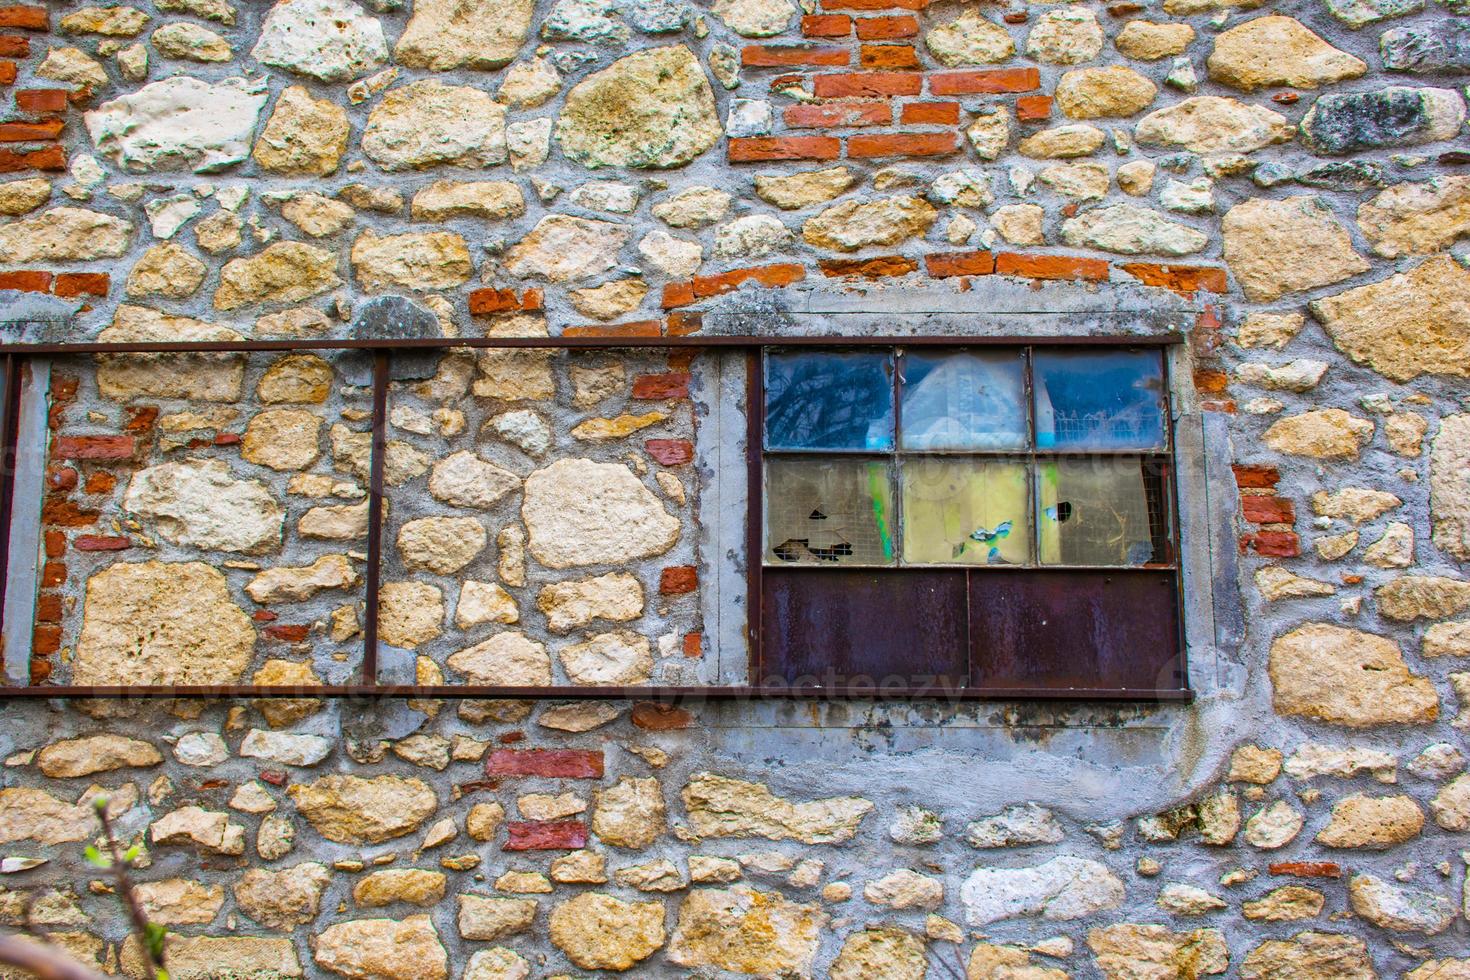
(1058, 630)
(838, 627)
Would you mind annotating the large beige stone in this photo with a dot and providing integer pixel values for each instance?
(489, 919)
(442, 545)
(1066, 36)
(1288, 903)
(199, 503)
(75, 757)
(189, 957)
(1449, 486)
(650, 109)
(285, 272)
(179, 901)
(117, 21)
(1328, 433)
(755, 18)
(166, 270)
(329, 40)
(1212, 124)
(746, 931)
(579, 512)
(562, 248)
(23, 196)
(1451, 805)
(161, 623)
(382, 949)
(500, 963)
(493, 200)
(530, 84)
(465, 480)
(1356, 504)
(282, 439)
(1310, 956)
(510, 658)
(355, 810)
(318, 216)
(28, 814)
(484, 602)
(64, 234)
(302, 582)
(1373, 822)
(629, 813)
(991, 961)
(618, 659)
(1416, 322)
(190, 42)
(1287, 246)
(1274, 827)
(1128, 229)
(409, 613)
(412, 885)
(969, 39)
(1097, 93)
(616, 596)
(446, 34)
(296, 379)
(1417, 218)
(209, 830)
(600, 932)
(1411, 597)
(1347, 677)
(856, 224)
(1059, 142)
(304, 137)
(1134, 952)
(1150, 41)
(284, 899)
(610, 300)
(881, 951)
(430, 124)
(1277, 50)
(179, 123)
(1389, 906)
(430, 260)
(722, 807)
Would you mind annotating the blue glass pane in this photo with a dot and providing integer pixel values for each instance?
(964, 401)
(1095, 400)
(829, 401)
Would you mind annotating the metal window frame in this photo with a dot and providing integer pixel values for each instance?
(383, 349)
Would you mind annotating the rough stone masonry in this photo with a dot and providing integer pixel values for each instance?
(1294, 175)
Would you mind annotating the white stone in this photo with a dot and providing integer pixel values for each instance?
(562, 248)
(202, 749)
(752, 236)
(465, 480)
(580, 512)
(1063, 888)
(200, 504)
(606, 195)
(330, 40)
(755, 18)
(180, 123)
(1015, 826)
(509, 658)
(677, 258)
(749, 117)
(1128, 229)
(428, 124)
(617, 659)
(1345, 762)
(166, 215)
(286, 748)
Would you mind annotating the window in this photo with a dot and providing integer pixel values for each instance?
(994, 518)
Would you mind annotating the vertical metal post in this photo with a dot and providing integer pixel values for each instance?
(8, 418)
(375, 517)
(755, 553)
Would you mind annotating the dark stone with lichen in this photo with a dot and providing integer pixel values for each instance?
(1395, 116)
(1440, 49)
(1345, 175)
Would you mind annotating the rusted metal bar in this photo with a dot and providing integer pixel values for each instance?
(9, 425)
(373, 577)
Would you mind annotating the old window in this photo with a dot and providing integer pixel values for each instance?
(992, 518)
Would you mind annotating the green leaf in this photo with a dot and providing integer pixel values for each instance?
(99, 803)
(95, 857)
(154, 935)
(132, 853)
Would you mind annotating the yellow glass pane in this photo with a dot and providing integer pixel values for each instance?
(964, 511)
(1099, 511)
(829, 511)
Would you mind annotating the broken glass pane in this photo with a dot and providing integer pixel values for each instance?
(964, 401)
(829, 401)
(829, 511)
(1106, 510)
(1091, 399)
(964, 511)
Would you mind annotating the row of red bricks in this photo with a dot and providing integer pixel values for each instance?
(24, 17)
(1260, 504)
(36, 102)
(68, 284)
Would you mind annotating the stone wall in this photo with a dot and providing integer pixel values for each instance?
(1282, 182)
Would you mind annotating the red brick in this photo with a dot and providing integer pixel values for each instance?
(49, 608)
(1272, 544)
(28, 281)
(46, 638)
(874, 4)
(39, 100)
(888, 56)
(683, 323)
(49, 158)
(1127, 9)
(551, 763)
(61, 478)
(226, 439)
(264, 616)
(64, 387)
(654, 717)
(55, 542)
(1256, 477)
(887, 28)
(1260, 509)
(140, 418)
(1211, 382)
(880, 267)
(945, 264)
(930, 114)
(675, 384)
(866, 85)
(1306, 869)
(693, 645)
(545, 835)
(8, 72)
(750, 149)
(670, 452)
(30, 132)
(287, 632)
(96, 447)
(903, 145)
(53, 573)
(636, 328)
(94, 542)
(1184, 279)
(826, 25)
(988, 81)
(40, 670)
(101, 482)
(276, 777)
(704, 287)
(15, 46)
(838, 115)
(678, 580)
(1033, 108)
(486, 301)
(82, 283)
(1051, 267)
(64, 513)
(25, 16)
(777, 56)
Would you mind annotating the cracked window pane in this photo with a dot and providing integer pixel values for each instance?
(965, 511)
(829, 511)
(1107, 510)
(831, 401)
(964, 401)
(1099, 400)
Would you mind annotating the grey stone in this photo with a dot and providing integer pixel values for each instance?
(1395, 116)
(1442, 48)
(1345, 175)
(1358, 13)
